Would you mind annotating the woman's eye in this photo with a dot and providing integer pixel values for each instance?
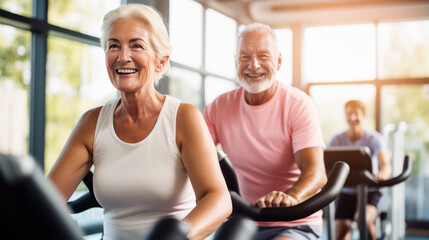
(113, 46)
(137, 46)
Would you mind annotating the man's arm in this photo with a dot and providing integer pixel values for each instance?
(385, 169)
(312, 179)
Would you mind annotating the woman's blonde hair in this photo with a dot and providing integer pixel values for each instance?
(150, 17)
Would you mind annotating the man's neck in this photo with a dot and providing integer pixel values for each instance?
(355, 134)
(262, 97)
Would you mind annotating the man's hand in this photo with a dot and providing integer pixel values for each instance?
(276, 199)
(381, 176)
(385, 167)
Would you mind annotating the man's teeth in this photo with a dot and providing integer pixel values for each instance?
(126, 70)
(250, 75)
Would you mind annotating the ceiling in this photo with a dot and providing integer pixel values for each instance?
(283, 13)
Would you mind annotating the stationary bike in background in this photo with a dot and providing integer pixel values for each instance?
(359, 160)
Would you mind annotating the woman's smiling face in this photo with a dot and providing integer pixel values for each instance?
(130, 56)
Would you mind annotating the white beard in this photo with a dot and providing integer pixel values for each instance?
(256, 87)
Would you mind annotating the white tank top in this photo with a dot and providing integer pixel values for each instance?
(138, 183)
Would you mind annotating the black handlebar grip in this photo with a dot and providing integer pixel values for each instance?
(371, 181)
(168, 229)
(236, 228)
(326, 195)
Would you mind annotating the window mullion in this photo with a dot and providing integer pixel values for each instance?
(38, 86)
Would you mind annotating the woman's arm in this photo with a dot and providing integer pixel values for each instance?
(75, 159)
(200, 160)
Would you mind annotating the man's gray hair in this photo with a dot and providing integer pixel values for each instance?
(259, 27)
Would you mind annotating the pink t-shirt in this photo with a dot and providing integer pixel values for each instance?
(261, 140)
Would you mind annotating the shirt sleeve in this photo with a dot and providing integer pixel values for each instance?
(333, 142)
(378, 144)
(305, 127)
(209, 115)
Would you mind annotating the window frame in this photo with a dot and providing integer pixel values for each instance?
(202, 69)
(40, 29)
(377, 82)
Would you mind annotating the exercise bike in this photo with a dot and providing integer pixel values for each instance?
(31, 208)
(359, 160)
(236, 226)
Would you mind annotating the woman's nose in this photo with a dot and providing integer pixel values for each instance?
(124, 55)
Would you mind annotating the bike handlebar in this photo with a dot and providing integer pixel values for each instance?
(326, 195)
(371, 181)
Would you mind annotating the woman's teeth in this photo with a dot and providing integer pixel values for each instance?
(126, 71)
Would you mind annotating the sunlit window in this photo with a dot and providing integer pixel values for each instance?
(284, 39)
(189, 70)
(186, 86)
(186, 32)
(14, 87)
(339, 53)
(76, 78)
(396, 108)
(330, 101)
(346, 53)
(403, 49)
(22, 7)
(217, 86)
(81, 15)
(220, 48)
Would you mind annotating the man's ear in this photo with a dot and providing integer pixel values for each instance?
(161, 64)
(279, 61)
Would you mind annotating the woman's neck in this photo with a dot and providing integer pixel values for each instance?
(140, 105)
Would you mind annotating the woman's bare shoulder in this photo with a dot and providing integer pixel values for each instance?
(188, 113)
(90, 116)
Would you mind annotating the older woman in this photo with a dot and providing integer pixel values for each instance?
(153, 155)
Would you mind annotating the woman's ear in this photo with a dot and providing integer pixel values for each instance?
(161, 64)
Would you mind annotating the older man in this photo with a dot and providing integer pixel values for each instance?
(271, 134)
